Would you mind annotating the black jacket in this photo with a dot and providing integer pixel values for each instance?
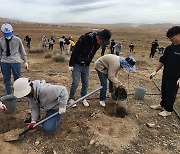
(171, 61)
(84, 50)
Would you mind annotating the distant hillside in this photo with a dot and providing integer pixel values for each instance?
(151, 27)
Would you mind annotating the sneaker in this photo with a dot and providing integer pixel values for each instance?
(157, 107)
(85, 103)
(165, 113)
(102, 103)
(71, 101)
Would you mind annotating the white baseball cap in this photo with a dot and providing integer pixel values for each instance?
(21, 87)
(7, 30)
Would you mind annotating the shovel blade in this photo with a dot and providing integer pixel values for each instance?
(13, 135)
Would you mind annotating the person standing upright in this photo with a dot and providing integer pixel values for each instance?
(51, 43)
(131, 47)
(81, 57)
(28, 42)
(103, 48)
(44, 42)
(170, 61)
(11, 53)
(154, 47)
(112, 46)
(61, 43)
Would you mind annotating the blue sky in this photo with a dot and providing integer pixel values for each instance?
(92, 11)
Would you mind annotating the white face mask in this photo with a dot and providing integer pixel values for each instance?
(8, 37)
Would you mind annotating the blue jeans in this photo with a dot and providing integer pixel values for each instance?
(50, 125)
(79, 72)
(6, 69)
(103, 80)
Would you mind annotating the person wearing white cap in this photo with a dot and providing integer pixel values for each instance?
(39, 94)
(11, 53)
(107, 67)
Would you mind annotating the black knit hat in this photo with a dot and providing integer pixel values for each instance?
(173, 31)
(105, 35)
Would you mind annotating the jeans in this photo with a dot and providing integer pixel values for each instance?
(6, 69)
(103, 80)
(79, 72)
(50, 125)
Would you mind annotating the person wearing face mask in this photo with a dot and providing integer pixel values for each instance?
(11, 53)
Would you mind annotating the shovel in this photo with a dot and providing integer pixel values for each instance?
(18, 134)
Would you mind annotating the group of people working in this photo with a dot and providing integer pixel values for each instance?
(54, 98)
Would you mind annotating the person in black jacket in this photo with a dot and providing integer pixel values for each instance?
(171, 73)
(112, 46)
(154, 47)
(81, 57)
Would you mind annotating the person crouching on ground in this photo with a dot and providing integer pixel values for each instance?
(107, 67)
(39, 94)
(171, 73)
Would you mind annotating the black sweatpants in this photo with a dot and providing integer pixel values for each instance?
(169, 90)
(153, 51)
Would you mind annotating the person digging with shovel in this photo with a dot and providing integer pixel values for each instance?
(107, 67)
(171, 73)
(39, 94)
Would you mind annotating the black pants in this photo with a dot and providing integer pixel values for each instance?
(169, 90)
(152, 53)
(50, 46)
(102, 52)
(131, 49)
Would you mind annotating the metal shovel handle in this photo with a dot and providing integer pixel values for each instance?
(42, 121)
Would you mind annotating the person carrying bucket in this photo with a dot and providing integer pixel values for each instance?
(171, 73)
(39, 94)
(107, 67)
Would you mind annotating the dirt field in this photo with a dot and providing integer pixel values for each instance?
(93, 130)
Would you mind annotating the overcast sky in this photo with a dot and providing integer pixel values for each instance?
(92, 11)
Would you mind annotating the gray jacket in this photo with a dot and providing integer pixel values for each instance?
(46, 96)
(16, 50)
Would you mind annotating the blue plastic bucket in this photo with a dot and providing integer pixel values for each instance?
(10, 101)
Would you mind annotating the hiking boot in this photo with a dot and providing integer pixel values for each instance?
(157, 107)
(102, 103)
(165, 113)
(85, 103)
(71, 101)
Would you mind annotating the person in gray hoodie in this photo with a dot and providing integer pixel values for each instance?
(11, 53)
(39, 94)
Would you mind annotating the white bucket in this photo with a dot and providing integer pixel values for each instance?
(140, 92)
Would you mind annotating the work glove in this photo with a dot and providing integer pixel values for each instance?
(26, 65)
(62, 110)
(152, 74)
(178, 82)
(30, 125)
(71, 68)
(3, 107)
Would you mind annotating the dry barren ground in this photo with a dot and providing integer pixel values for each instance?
(93, 130)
